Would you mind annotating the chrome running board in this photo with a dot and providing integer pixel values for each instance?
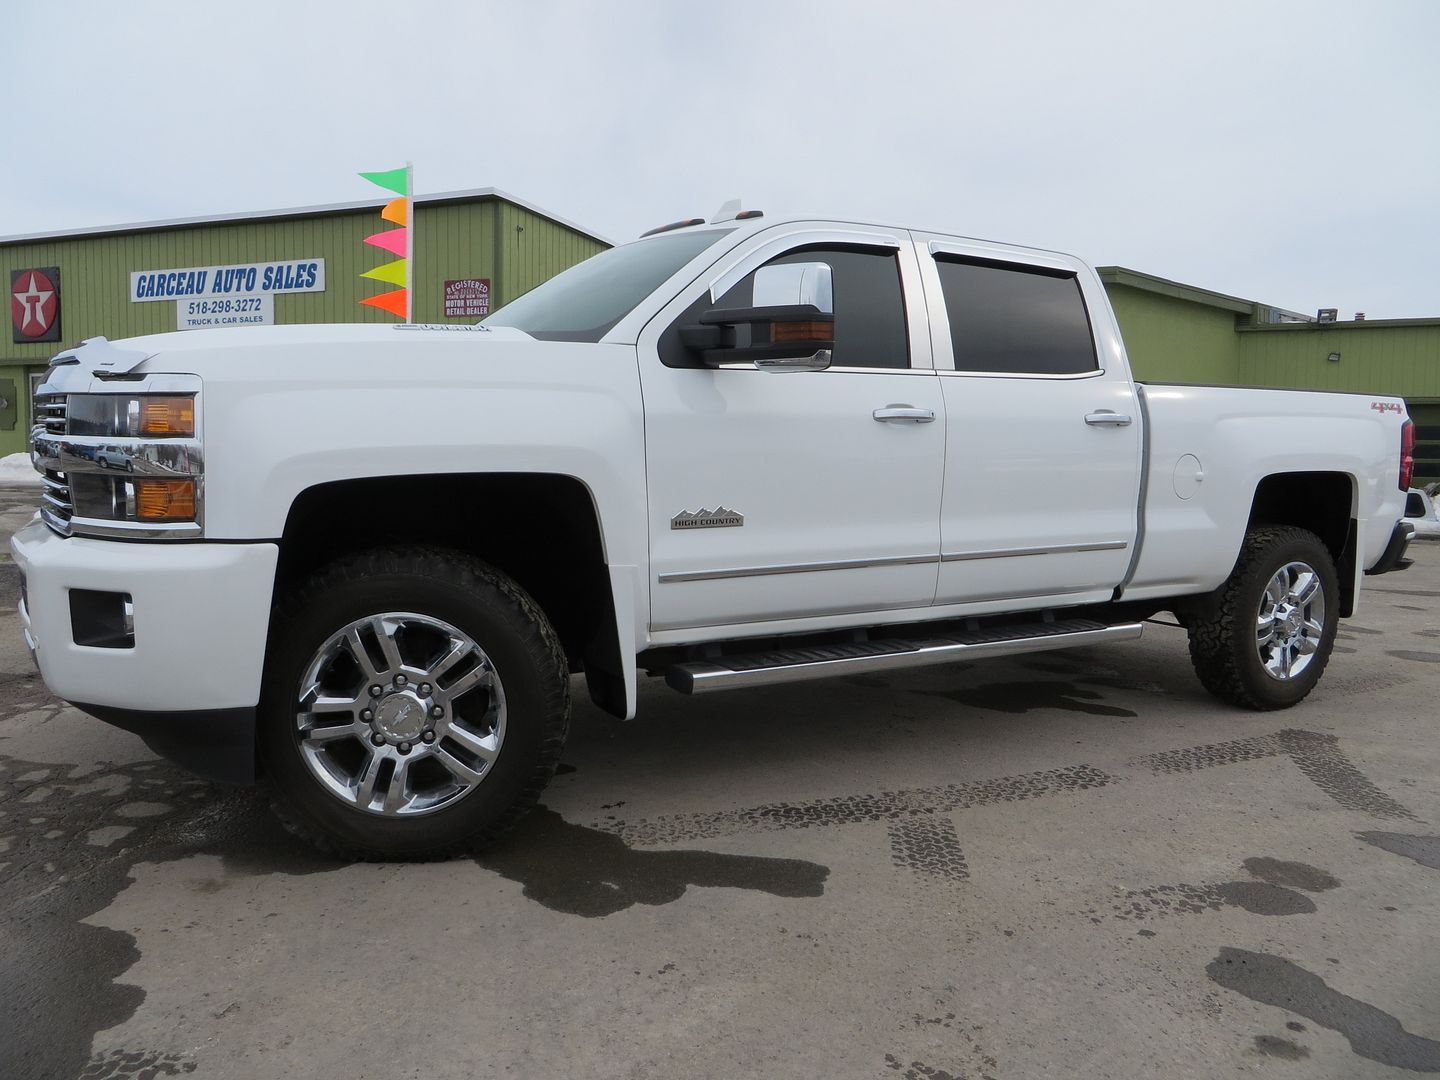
(822, 661)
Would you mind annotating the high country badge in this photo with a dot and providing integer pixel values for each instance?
(719, 518)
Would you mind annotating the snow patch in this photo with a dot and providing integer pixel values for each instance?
(17, 469)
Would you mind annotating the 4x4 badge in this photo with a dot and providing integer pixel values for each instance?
(719, 518)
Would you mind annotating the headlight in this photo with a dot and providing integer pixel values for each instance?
(126, 464)
(132, 417)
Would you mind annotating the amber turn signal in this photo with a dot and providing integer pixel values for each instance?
(167, 415)
(784, 332)
(164, 500)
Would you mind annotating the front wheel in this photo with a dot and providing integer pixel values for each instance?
(1263, 640)
(415, 704)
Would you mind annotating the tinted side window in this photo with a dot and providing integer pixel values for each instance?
(1016, 319)
(869, 306)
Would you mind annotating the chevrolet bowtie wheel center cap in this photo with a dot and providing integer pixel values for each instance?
(400, 717)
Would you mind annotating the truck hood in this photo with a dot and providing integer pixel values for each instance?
(193, 349)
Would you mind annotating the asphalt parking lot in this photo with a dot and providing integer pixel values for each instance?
(1070, 865)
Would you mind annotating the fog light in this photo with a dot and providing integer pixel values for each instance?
(102, 620)
(164, 500)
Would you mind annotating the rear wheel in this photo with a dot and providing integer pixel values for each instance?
(416, 702)
(1263, 640)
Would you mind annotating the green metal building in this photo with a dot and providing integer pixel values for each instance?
(465, 237)
(1178, 333)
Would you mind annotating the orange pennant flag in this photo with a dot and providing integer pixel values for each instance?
(393, 302)
(397, 210)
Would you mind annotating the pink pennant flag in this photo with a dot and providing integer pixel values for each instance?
(392, 240)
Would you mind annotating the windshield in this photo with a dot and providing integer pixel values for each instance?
(584, 302)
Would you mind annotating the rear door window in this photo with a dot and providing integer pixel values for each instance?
(1012, 319)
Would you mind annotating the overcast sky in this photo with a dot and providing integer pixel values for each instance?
(1285, 152)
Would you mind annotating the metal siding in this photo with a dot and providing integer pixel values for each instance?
(1427, 442)
(1374, 358)
(1169, 339)
(535, 249)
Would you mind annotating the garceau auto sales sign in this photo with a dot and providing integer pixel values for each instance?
(249, 279)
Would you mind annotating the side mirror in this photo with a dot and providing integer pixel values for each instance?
(791, 326)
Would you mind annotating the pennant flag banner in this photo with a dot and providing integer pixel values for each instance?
(392, 273)
(393, 302)
(392, 240)
(395, 241)
(397, 210)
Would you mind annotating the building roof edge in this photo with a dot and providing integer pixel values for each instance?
(465, 195)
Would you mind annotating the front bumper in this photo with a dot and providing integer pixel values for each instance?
(201, 618)
(1394, 556)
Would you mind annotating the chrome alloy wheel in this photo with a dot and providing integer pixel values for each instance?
(1291, 620)
(400, 714)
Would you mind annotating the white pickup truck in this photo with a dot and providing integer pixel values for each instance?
(362, 562)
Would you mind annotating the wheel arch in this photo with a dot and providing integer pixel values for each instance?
(550, 539)
(1324, 502)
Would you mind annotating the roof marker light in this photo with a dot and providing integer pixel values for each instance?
(673, 225)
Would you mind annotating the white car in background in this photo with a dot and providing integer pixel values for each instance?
(1420, 511)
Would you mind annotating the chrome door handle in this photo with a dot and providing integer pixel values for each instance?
(892, 413)
(1107, 418)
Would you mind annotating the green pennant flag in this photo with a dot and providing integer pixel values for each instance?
(392, 272)
(390, 179)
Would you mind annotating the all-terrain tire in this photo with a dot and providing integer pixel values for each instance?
(1222, 628)
(490, 608)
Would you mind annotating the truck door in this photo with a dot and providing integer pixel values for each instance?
(1043, 429)
(785, 495)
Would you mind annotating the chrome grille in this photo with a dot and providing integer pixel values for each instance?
(56, 505)
(50, 413)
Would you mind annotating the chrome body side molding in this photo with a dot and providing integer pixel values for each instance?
(793, 568)
(1012, 553)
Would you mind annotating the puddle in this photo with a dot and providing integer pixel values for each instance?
(1424, 850)
(1372, 1033)
(72, 841)
(1296, 875)
(1284, 1049)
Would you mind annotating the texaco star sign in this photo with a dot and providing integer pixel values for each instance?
(35, 304)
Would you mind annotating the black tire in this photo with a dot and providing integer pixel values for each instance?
(1222, 629)
(469, 595)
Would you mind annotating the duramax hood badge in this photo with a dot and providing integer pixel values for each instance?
(719, 518)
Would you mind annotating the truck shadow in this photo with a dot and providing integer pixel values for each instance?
(582, 871)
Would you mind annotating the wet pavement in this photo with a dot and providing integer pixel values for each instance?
(1072, 865)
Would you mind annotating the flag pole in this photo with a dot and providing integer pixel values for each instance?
(409, 242)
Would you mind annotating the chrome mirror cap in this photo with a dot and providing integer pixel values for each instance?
(784, 284)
